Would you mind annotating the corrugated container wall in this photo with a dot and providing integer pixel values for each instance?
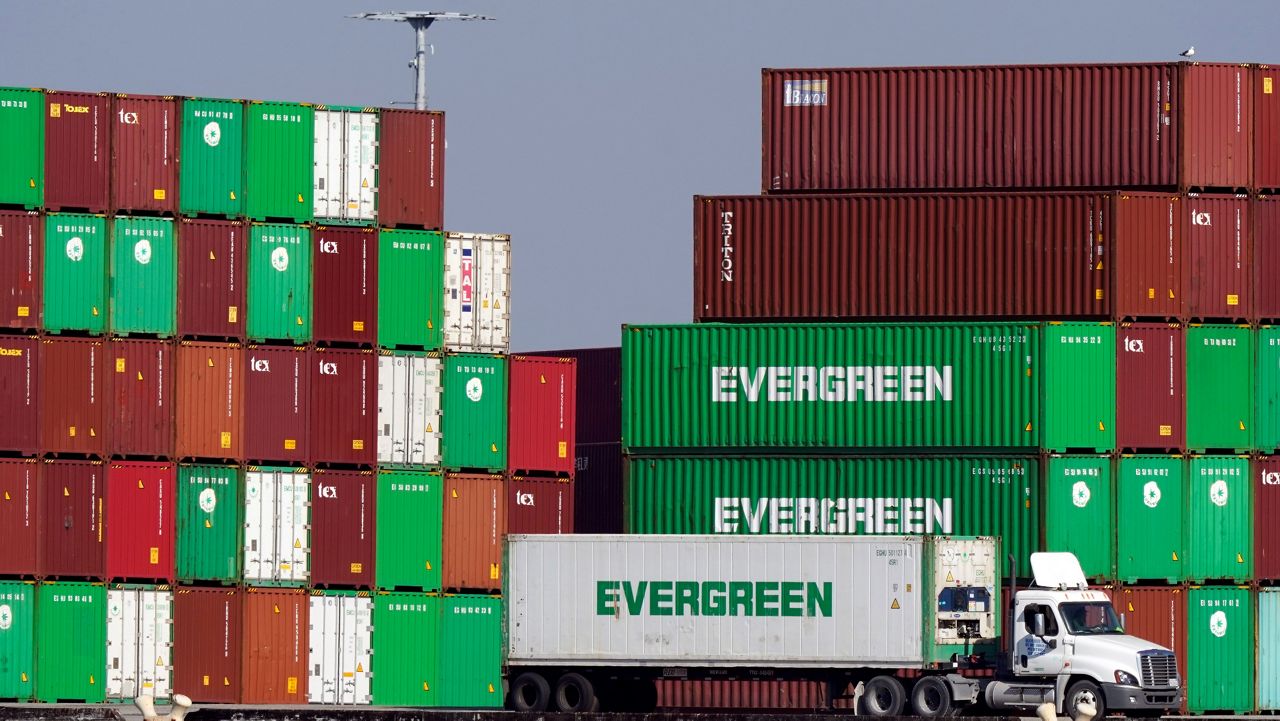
(342, 529)
(1220, 637)
(1269, 649)
(410, 527)
(1151, 367)
(22, 145)
(209, 523)
(346, 164)
(22, 248)
(72, 396)
(139, 521)
(1266, 401)
(280, 283)
(477, 292)
(70, 506)
(1078, 494)
(409, 408)
(20, 394)
(17, 640)
(77, 151)
(1217, 250)
(277, 523)
(140, 388)
(274, 668)
(748, 695)
(279, 161)
(1157, 614)
(597, 489)
(144, 276)
(1266, 254)
(1220, 364)
(1150, 493)
(211, 279)
(1079, 387)
(475, 412)
(471, 651)
(410, 289)
(1266, 507)
(405, 635)
(210, 418)
(144, 154)
(207, 633)
(211, 174)
(1219, 519)
(71, 642)
(277, 395)
(346, 285)
(598, 406)
(475, 526)
(1217, 126)
(75, 273)
(19, 516)
(139, 643)
(339, 648)
(1266, 118)
(1146, 255)
(541, 415)
(343, 406)
(539, 505)
(411, 169)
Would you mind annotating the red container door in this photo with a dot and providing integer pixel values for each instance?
(21, 268)
(211, 279)
(1157, 614)
(344, 406)
(210, 413)
(277, 400)
(346, 285)
(475, 525)
(19, 514)
(274, 670)
(139, 522)
(1150, 387)
(77, 153)
(411, 169)
(1266, 508)
(542, 418)
(1217, 126)
(141, 408)
(1266, 211)
(19, 394)
(1217, 247)
(72, 412)
(71, 520)
(1266, 135)
(208, 629)
(144, 154)
(342, 528)
(539, 505)
(1147, 241)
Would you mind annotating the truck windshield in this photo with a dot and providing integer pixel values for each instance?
(1090, 619)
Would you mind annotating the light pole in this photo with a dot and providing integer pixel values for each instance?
(419, 21)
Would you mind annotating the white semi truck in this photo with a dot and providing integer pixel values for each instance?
(592, 621)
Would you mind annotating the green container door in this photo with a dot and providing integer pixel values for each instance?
(144, 277)
(71, 642)
(1266, 407)
(1150, 518)
(471, 651)
(1219, 650)
(406, 636)
(1219, 387)
(410, 289)
(280, 283)
(279, 161)
(209, 523)
(1079, 381)
(408, 541)
(474, 419)
(211, 174)
(1079, 515)
(17, 640)
(75, 272)
(1219, 519)
(22, 147)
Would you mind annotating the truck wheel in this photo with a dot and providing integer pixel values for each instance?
(575, 694)
(530, 692)
(1085, 692)
(931, 697)
(882, 696)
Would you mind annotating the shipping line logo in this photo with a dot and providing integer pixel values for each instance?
(1133, 345)
(726, 246)
(713, 598)
(804, 93)
(1269, 478)
(833, 516)
(834, 384)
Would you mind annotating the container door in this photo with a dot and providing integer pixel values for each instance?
(17, 639)
(495, 294)
(293, 540)
(328, 149)
(477, 269)
(1266, 404)
(1220, 524)
(322, 676)
(409, 409)
(1079, 491)
(1220, 650)
(1150, 498)
(364, 178)
(1269, 649)
(340, 654)
(259, 526)
(139, 639)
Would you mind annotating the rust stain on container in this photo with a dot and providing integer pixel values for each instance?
(139, 521)
(211, 278)
(1217, 242)
(539, 505)
(277, 401)
(19, 394)
(1146, 240)
(342, 528)
(1266, 261)
(345, 269)
(77, 151)
(71, 508)
(207, 632)
(21, 268)
(1266, 508)
(210, 418)
(1151, 369)
(274, 668)
(475, 524)
(541, 415)
(140, 392)
(144, 154)
(72, 411)
(344, 408)
(19, 516)
(411, 169)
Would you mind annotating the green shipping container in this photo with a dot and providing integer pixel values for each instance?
(1219, 519)
(1079, 380)
(860, 496)
(22, 147)
(1219, 387)
(209, 523)
(406, 628)
(144, 277)
(17, 639)
(1219, 649)
(473, 419)
(1150, 518)
(866, 386)
(408, 542)
(75, 272)
(279, 283)
(471, 651)
(1266, 407)
(211, 174)
(71, 642)
(1079, 514)
(279, 161)
(410, 289)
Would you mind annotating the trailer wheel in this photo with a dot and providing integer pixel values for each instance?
(883, 696)
(530, 692)
(1082, 692)
(575, 694)
(931, 697)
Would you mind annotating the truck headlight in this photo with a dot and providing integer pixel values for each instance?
(1126, 679)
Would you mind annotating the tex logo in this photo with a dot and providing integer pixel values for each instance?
(475, 389)
(524, 499)
(329, 247)
(1132, 345)
(259, 365)
(328, 368)
(1080, 494)
(1151, 494)
(1270, 478)
(1218, 624)
(327, 491)
(1201, 217)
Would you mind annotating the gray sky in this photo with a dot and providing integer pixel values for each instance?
(584, 128)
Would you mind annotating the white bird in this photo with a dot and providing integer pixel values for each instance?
(1188, 52)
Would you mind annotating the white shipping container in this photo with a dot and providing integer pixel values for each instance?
(409, 408)
(346, 165)
(477, 292)
(777, 601)
(340, 655)
(277, 530)
(139, 643)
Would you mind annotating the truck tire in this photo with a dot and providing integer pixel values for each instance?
(1084, 691)
(575, 694)
(530, 692)
(882, 696)
(931, 698)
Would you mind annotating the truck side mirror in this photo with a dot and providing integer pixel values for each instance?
(1037, 624)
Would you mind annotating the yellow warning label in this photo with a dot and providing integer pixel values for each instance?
(1175, 555)
(1242, 425)
(542, 379)
(359, 668)
(276, 607)
(428, 565)
(357, 568)
(352, 204)
(155, 555)
(484, 303)
(23, 311)
(6, 496)
(158, 194)
(1028, 428)
(364, 183)
(1098, 266)
(55, 110)
(497, 304)
(1097, 294)
(425, 687)
(233, 314)
(357, 444)
(209, 360)
(297, 543)
(211, 256)
(24, 676)
(65, 493)
(91, 680)
(1151, 293)
(895, 605)
(429, 428)
(94, 434)
(293, 684)
(950, 578)
(454, 491)
(493, 572)
(300, 200)
(232, 194)
(1130, 607)
(1166, 430)
(140, 486)
(207, 524)
(298, 319)
(1233, 299)
(206, 680)
(493, 447)
(429, 324)
(357, 326)
(226, 681)
(1171, 294)
(490, 688)
(1266, 86)
(290, 444)
(348, 674)
(148, 684)
(139, 375)
(1239, 558)
(1101, 427)
(224, 439)
(71, 431)
(562, 449)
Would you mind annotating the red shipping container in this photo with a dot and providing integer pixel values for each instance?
(1217, 242)
(19, 516)
(210, 415)
(139, 521)
(475, 525)
(598, 401)
(597, 489)
(70, 529)
(144, 154)
(1266, 261)
(344, 406)
(72, 412)
(1266, 508)
(211, 278)
(274, 669)
(1151, 361)
(745, 695)
(277, 400)
(346, 285)
(22, 251)
(77, 151)
(411, 169)
(342, 528)
(1146, 243)
(1217, 126)
(1266, 133)
(141, 408)
(1157, 614)
(207, 632)
(541, 414)
(539, 505)
(19, 394)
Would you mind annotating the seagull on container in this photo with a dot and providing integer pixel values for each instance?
(1188, 52)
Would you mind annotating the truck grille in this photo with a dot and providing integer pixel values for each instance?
(1158, 668)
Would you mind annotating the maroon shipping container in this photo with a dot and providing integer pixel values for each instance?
(210, 415)
(1157, 614)
(141, 402)
(539, 505)
(741, 695)
(211, 278)
(346, 285)
(598, 403)
(1151, 362)
(475, 525)
(342, 528)
(274, 669)
(19, 394)
(541, 413)
(1266, 508)
(1217, 126)
(1266, 258)
(411, 169)
(144, 154)
(72, 411)
(70, 527)
(598, 489)
(77, 151)
(139, 521)
(277, 399)
(1146, 244)
(21, 268)
(19, 516)
(208, 629)
(1266, 133)
(1217, 248)
(344, 407)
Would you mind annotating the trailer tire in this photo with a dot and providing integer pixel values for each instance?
(882, 696)
(931, 698)
(575, 694)
(1085, 691)
(530, 692)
